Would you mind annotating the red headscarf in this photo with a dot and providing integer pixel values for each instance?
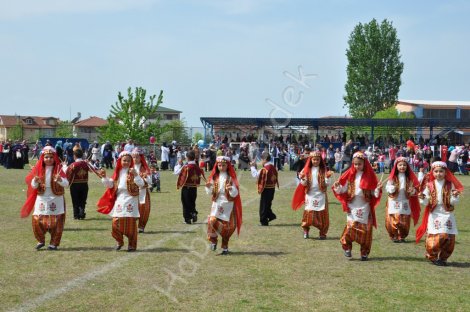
(299, 194)
(144, 166)
(39, 170)
(368, 182)
(106, 203)
(449, 177)
(414, 202)
(237, 202)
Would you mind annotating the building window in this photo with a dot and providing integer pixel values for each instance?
(169, 117)
(440, 113)
(465, 114)
(29, 121)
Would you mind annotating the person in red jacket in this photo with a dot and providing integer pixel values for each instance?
(267, 181)
(189, 179)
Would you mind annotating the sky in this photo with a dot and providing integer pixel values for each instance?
(232, 58)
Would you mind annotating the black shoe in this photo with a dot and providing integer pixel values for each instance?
(439, 262)
(364, 258)
(52, 247)
(272, 218)
(141, 230)
(187, 221)
(402, 240)
(213, 247)
(194, 217)
(322, 237)
(395, 240)
(117, 248)
(40, 245)
(347, 253)
(130, 250)
(264, 224)
(224, 252)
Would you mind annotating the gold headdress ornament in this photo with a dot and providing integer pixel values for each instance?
(315, 154)
(223, 159)
(359, 155)
(440, 164)
(48, 150)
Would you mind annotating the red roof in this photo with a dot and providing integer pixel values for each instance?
(36, 121)
(93, 121)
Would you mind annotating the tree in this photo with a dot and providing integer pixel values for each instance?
(16, 132)
(64, 130)
(374, 69)
(129, 118)
(198, 136)
(392, 113)
(176, 131)
(384, 131)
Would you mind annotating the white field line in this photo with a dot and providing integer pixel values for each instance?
(36, 302)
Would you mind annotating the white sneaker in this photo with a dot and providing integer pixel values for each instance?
(213, 247)
(305, 235)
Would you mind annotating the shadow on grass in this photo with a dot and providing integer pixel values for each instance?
(164, 249)
(167, 232)
(92, 248)
(258, 253)
(95, 219)
(459, 264)
(286, 224)
(85, 229)
(415, 259)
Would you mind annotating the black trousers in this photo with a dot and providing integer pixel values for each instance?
(79, 194)
(265, 212)
(188, 199)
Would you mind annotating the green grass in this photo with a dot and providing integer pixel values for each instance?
(270, 269)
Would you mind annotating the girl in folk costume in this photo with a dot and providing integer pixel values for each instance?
(121, 200)
(402, 188)
(226, 210)
(314, 180)
(359, 193)
(46, 184)
(143, 170)
(440, 195)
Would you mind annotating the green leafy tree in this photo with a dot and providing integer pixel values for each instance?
(64, 130)
(176, 131)
(374, 69)
(16, 132)
(392, 113)
(129, 118)
(198, 136)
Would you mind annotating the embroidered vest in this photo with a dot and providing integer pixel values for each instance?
(132, 187)
(446, 193)
(267, 178)
(190, 175)
(216, 191)
(56, 188)
(352, 190)
(321, 181)
(396, 183)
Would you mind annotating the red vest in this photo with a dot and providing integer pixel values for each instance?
(267, 178)
(77, 172)
(189, 176)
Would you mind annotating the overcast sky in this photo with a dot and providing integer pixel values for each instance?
(233, 58)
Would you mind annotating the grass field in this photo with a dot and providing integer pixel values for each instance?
(270, 269)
